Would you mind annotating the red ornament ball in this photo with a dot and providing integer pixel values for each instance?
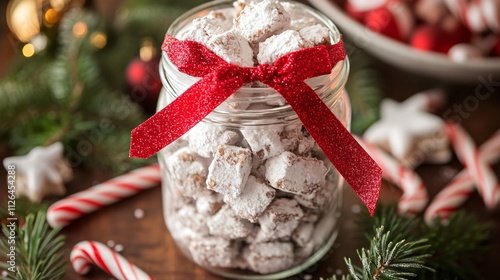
(381, 20)
(434, 38)
(496, 48)
(143, 82)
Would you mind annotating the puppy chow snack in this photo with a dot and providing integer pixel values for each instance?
(277, 45)
(253, 200)
(202, 29)
(304, 251)
(280, 218)
(269, 257)
(182, 233)
(310, 216)
(315, 34)
(303, 233)
(188, 171)
(322, 229)
(205, 138)
(228, 173)
(209, 204)
(226, 224)
(295, 174)
(173, 147)
(264, 142)
(184, 163)
(193, 186)
(231, 47)
(213, 251)
(189, 218)
(258, 21)
(318, 199)
(296, 141)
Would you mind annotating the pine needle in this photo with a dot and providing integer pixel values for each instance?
(405, 247)
(365, 92)
(38, 254)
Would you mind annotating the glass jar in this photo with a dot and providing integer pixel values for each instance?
(247, 193)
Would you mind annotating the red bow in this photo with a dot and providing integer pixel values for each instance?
(221, 79)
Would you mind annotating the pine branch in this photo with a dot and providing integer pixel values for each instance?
(456, 246)
(24, 207)
(418, 251)
(387, 259)
(387, 216)
(453, 246)
(364, 91)
(18, 97)
(38, 253)
(74, 103)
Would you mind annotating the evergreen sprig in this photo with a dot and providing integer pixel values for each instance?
(38, 253)
(405, 247)
(365, 91)
(388, 258)
(67, 99)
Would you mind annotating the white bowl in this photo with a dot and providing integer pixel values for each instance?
(401, 55)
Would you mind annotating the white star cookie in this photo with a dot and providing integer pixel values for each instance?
(40, 173)
(409, 132)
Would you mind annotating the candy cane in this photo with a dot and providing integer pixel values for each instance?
(477, 167)
(91, 252)
(460, 188)
(491, 13)
(477, 15)
(414, 196)
(79, 204)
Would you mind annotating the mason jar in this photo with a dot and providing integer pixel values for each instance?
(247, 193)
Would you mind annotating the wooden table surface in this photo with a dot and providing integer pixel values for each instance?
(148, 244)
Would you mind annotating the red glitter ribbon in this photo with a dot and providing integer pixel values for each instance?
(221, 79)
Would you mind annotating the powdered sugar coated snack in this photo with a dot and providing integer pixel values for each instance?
(247, 193)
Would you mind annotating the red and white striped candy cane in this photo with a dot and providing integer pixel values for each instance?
(477, 167)
(91, 252)
(414, 196)
(461, 187)
(477, 15)
(79, 204)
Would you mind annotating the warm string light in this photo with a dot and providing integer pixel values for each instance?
(22, 19)
(51, 17)
(26, 18)
(98, 40)
(79, 29)
(28, 50)
(147, 51)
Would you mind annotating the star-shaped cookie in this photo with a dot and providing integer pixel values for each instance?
(409, 132)
(40, 173)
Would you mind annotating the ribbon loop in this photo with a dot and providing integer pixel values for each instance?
(264, 72)
(221, 79)
(191, 57)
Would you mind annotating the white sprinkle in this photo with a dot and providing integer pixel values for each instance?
(138, 213)
(111, 243)
(338, 271)
(355, 208)
(4, 273)
(119, 248)
(308, 277)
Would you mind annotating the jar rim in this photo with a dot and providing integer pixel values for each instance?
(338, 76)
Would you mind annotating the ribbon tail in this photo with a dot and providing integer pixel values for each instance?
(181, 115)
(338, 144)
